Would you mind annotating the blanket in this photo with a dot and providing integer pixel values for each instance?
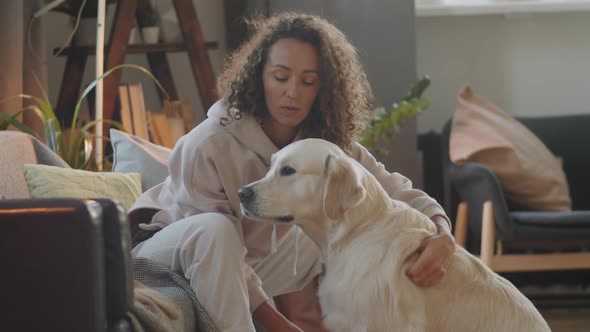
(165, 302)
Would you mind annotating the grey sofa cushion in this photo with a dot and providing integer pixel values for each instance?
(16, 149)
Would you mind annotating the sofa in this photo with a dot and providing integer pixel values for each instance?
(67, 265)
(68, 256)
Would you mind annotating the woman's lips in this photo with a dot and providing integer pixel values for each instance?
(290, 108)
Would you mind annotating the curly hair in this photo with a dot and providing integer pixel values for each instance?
(341, 108)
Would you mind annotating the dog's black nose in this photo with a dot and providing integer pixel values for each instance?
(246, 194)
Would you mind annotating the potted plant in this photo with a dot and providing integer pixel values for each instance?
(149, 21)
(384, 123)
(74, 144)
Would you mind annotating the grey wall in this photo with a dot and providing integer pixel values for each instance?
(20, 61)
(528, 65)
(383, 32)
(11, 80)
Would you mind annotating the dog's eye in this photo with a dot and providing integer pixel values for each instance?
(286, 171)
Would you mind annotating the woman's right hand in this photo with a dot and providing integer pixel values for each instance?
(274, 321)
(288, 327)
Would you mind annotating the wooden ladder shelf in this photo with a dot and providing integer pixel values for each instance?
(193, 43)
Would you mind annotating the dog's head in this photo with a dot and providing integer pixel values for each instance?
(309, 181)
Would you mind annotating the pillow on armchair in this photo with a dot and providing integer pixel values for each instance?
(531, 176)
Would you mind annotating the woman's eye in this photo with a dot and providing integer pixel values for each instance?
(310, 80)
(280, 78)
(286, 171)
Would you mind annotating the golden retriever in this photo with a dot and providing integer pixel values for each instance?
(366, 239)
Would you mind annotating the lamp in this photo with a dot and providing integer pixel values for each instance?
(98, 152)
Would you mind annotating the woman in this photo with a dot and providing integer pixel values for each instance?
(297, 77)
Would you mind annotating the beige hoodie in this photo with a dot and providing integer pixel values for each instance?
(208, 166)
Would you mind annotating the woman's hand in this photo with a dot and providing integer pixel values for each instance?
(289, 327)
(434, 254)
(273, 321)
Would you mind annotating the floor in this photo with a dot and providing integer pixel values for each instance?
(568, 320)
(566, 307)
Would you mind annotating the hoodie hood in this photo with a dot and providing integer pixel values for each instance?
(246, 130)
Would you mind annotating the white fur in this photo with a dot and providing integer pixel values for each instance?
(366, 250)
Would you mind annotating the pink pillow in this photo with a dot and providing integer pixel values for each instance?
(530, 174)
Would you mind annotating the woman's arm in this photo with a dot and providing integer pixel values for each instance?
(435, 252)
(399, 187)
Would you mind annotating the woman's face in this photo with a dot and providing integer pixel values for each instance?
(291, 82)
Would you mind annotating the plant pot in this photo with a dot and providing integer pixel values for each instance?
(150, 35)
(134, 37)
(170, 31)
(86, 33)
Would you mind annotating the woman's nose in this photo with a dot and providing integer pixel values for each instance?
(291, 88)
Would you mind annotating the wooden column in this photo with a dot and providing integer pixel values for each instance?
(488, 234)
(197, 52)
(122, 24)
(70, 87)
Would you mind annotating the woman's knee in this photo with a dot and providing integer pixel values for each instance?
(212, 227)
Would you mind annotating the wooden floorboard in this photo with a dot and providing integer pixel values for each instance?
(568, 319)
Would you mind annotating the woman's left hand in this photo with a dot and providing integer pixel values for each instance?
(434, 254)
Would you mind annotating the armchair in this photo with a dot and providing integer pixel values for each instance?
(505, 234)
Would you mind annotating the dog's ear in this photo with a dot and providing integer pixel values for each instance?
(342, 189)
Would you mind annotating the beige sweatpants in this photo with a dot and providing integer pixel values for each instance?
(207, 249)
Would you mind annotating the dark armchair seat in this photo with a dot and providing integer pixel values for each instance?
(551, 220)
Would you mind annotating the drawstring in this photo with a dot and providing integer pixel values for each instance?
(297, 230)
(273, 239)
(273, 245)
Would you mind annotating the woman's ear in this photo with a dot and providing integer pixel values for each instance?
(342, 189)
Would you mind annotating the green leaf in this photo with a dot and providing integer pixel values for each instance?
(379, 111)
(12, 121)
(46, 107)
(51, 135)
(422, 103)
(418, 88)
(86, 127)
(41, 88)
(395, 118)
(379, 129)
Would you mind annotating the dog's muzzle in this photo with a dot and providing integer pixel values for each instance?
(246, 195)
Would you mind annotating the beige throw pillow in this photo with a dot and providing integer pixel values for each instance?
(57, 182)
(530, 174)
